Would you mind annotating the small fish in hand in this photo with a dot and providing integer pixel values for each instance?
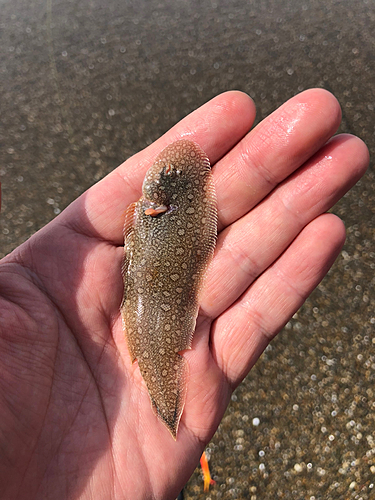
(170, 235)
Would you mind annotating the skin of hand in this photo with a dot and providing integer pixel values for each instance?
(75, 416)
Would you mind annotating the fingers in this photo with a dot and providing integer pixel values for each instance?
(215, 126)
(279, 145)
(250, 245)
(265, 157)
(240, 335)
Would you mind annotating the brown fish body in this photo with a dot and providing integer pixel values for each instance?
(170, 236)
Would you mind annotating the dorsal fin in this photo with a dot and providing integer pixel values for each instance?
(129, 220)
(128, 233)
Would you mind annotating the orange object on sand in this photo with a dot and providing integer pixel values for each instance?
(206, 472)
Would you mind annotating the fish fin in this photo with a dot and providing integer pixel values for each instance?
(128, 240)
(169, 411)
(129, 220)
(133, 356)
(128, 237)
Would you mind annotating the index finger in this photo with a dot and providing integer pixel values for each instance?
(216, 126)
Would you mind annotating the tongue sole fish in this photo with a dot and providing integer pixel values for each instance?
(170, 235)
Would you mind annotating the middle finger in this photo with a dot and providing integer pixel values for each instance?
(279, 145)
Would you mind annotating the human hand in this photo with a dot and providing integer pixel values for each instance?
(75, 416)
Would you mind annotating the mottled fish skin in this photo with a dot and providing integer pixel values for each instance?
(166, 256)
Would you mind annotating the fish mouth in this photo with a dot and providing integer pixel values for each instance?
(155, 210)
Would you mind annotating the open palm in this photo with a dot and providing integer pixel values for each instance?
(75, 415)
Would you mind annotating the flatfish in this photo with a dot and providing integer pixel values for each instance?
(170, 235)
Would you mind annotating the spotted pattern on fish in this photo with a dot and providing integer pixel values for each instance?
(170, 235)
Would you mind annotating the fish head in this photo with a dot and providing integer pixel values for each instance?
(178, 170)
